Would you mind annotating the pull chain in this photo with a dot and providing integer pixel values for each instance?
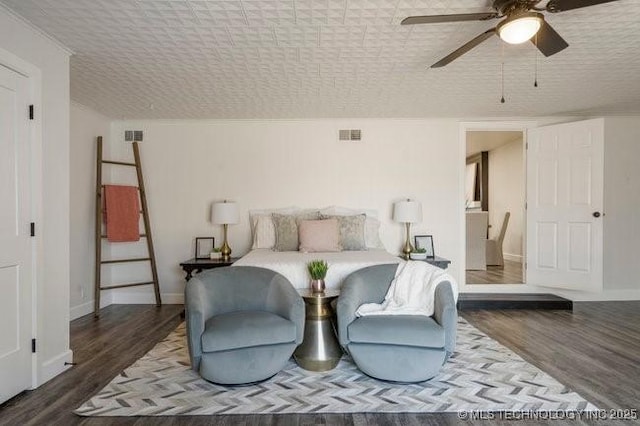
(502, 75)
(535, 54)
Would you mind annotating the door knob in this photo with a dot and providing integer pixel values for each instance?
(596, 214)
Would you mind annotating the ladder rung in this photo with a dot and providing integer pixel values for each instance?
(109, 184)
(119, 163)
(141, 236)
(137, 259)
(139, 211)
(126, 285)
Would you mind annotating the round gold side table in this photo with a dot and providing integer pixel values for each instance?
(320, 350)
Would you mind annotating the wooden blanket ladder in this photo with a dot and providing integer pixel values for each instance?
(99, 235)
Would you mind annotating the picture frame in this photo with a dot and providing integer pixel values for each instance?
(425, 242)
(204, 247)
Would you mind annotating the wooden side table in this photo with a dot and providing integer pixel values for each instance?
(193, 265)
(440, 262)
(320, 350)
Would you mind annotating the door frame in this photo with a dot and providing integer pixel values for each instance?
(34, 76)
(464, 127)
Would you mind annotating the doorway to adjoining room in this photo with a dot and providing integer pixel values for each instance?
(494, 207)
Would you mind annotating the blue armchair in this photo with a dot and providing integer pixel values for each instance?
(401, 348)
(243, 323)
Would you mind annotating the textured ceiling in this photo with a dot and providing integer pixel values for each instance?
(332, 58)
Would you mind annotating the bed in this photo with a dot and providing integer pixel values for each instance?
(293, 264)
(285, 240)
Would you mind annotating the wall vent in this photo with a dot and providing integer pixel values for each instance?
(350, 135)
(133, 135)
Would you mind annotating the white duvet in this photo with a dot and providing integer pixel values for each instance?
(293, 264)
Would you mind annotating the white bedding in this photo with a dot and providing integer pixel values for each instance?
(293, 264)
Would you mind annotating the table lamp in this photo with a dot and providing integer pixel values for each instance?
(407, 212)
(225, 214)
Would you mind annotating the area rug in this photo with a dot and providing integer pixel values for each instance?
(481, 375)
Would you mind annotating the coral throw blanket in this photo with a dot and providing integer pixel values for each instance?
(122, 213)
(412, 291)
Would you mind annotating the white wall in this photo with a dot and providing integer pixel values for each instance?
(622, 203)
(51, 63)
(507, 194)
(266, 164)
(269, 164)
(86, 125)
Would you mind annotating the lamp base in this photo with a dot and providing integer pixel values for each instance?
(408, 248)
(225, 250)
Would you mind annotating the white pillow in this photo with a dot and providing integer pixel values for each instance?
(372, 233)
(371, 224)
(263, 233)
(344, 211)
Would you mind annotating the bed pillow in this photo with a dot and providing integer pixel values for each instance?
(286, 229)
(372, 233)
(351, 231)
(345, 211)
(371, 225)
(263, 233)
(319, 236)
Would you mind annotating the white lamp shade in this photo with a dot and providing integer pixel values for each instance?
(225, 213)
(407, 211)
(520, 29)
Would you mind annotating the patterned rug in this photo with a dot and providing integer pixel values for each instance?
(481, 375)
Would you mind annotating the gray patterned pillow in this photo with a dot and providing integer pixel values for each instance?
(286, 227)
(351, 231)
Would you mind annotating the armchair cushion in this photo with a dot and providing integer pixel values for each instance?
(406, 330)
(243, 329)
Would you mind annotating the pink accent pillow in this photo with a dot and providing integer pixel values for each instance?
(319, 235)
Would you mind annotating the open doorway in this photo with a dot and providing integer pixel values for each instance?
(494, 207)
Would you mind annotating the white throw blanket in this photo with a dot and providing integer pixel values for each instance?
(411, 292)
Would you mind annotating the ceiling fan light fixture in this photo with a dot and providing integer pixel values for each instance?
(520, 28)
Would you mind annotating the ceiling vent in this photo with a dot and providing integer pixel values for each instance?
(350, 135)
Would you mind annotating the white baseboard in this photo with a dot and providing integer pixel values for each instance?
(54, 366)
(512, 257)
(87, 307)
(129, 298)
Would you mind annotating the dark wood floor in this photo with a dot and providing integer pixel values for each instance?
(510, 274)
(595, 350)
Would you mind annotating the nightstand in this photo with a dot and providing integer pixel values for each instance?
(440, 262)
(192, 266)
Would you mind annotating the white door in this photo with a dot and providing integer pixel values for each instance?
(15, 244)
(565, 164)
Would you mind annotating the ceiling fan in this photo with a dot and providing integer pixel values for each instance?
(523, 20)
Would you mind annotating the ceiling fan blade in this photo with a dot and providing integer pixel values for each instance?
(464, 49)
(434, 19)
(555, 6)
(548, 41)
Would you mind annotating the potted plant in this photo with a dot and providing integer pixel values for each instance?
(215, 253)
(418, 254)
(318, 271)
